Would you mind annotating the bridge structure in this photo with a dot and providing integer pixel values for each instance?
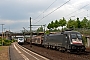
(21, 34)
(9, 35)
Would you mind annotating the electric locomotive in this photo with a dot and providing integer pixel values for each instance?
(66, 41)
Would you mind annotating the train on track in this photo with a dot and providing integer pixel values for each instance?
(70, 41)
(20, 40)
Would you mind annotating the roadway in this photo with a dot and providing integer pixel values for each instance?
(17, 52)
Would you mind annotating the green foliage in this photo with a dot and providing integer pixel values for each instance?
(78, 24)
(84, 23)
(52, 25)
(84, 31)
(40, 29)
(49, 26)
(88, 24)
(56, 24)
(84, 40)
(7, 42)
(71, 24)
(0, 42)
(47, 32)
(62, 22)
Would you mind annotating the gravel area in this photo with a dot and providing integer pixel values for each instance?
(4, 52)
(57, 55)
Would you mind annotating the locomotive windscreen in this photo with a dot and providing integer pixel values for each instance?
(76, 38)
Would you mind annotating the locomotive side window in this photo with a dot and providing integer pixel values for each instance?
(73, 36)
(79, 36)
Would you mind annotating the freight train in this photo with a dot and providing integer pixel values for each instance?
(70, 41)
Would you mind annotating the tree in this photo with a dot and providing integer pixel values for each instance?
(47, 32)
(71, 24)
(52, 25)
(40, 29)
(84, 23)
(62, 22)
(56, 24)
(88, 24)
(49, 26)
(78, 24)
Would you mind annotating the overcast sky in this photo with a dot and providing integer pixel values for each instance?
(15, 14)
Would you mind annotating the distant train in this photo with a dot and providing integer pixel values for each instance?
(21, 40)
(66, 41)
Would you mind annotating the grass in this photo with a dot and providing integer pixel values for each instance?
(1, 48)
(4, 52)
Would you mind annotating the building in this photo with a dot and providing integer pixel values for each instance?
(88, 41)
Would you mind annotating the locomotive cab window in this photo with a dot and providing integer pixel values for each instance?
(79, 36)
(20, 38)
(73, 36)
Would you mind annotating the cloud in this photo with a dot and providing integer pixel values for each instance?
(16, 13)
(65, 11)
(9, 22)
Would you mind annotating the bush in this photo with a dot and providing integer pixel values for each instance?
(0, 42)
(7, 42)
(13, 41)
(84, 40)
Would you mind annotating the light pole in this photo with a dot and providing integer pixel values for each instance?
(2, 33)
(30, 34)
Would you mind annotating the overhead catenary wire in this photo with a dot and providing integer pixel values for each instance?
(45, 9)
(50, 6)
(77, 10)
(53, 11)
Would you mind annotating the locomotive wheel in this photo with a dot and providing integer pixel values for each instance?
(46, 46)
(50, 47)
(62, 50)
(70, 51)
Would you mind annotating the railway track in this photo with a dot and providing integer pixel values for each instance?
(56, 55)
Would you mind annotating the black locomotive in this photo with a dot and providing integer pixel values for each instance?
(66, 41)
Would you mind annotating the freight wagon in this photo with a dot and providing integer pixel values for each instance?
(35, 40)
